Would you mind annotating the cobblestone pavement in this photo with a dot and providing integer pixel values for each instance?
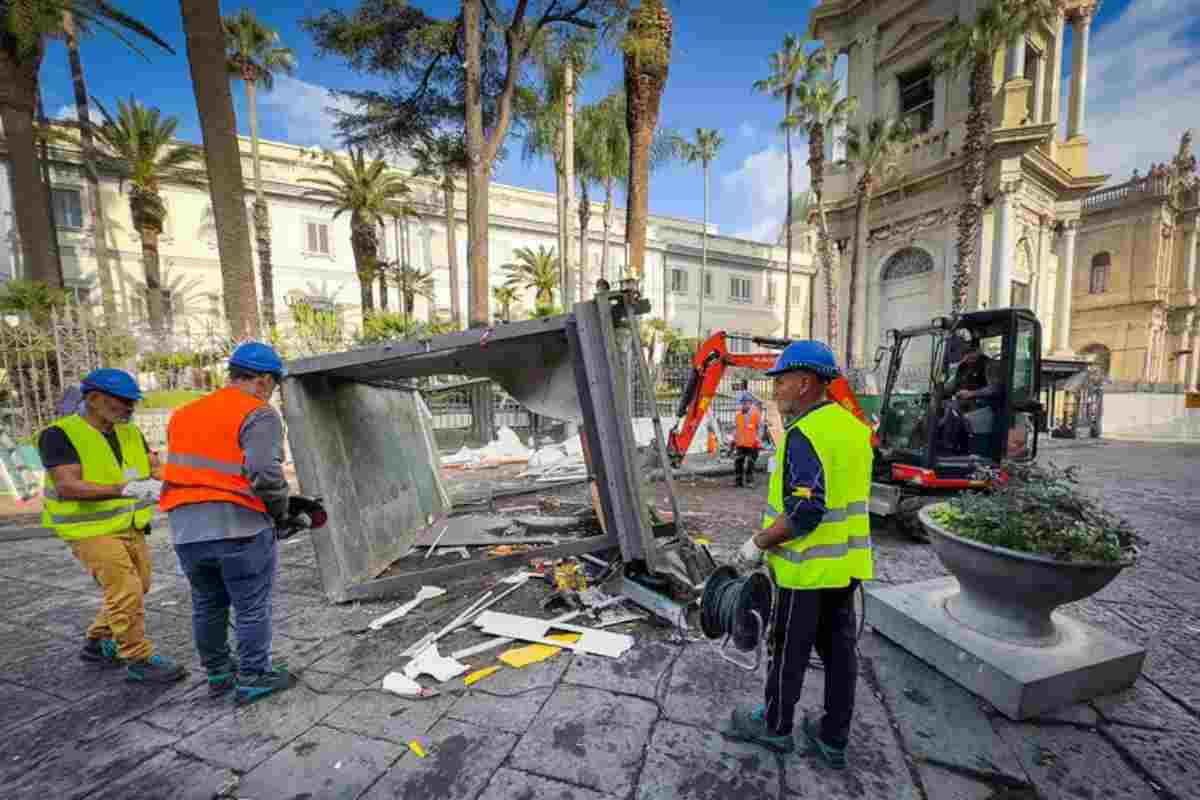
(645, 726)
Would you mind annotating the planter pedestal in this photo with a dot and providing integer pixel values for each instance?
(1020, 680)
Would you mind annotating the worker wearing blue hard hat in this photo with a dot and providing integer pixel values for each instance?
(816, 541)
(100, 493)
(226, 495)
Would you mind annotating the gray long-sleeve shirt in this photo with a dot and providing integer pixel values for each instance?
(261, 439)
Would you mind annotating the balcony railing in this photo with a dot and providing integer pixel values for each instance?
(1136, 189)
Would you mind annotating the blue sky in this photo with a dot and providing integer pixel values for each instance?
(1144, 89)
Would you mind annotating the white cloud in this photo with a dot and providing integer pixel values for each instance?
(1143, 86)
(302, 111)
(758, 189)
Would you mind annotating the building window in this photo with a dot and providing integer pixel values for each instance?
(739, 290)
(679, 281)
(797, 295)
(916, 98)
(906, 263)
(1033, 72)
(1099, 277)
(740, 341)
(317, 240)
(771, 297)
(708, 289)
(1020, 295)
(68, 208)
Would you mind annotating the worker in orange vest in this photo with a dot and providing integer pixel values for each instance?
(746, 440)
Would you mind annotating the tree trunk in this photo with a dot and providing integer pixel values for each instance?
(362, 243)
(586, 285)
(854, 348)
(383, 291)
(560, 200)
(568, 153)
(975, 150)
(703, 260)
(262, 217)
(55, 250)
(477, 173)
(646, 67)
(99, 220)
(787, 282)
(214, 102)
(608, 220)
(153, 277)
(816, 166)
(452, 249)
(18, 101)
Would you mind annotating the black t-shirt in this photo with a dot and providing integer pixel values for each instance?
(56, 449)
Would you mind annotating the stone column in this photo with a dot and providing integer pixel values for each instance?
(1081, 27)
(1014, 60)
(1053, 87)
(1002, 245)
(1193, 381)
(1062, 305)
(1189, 257)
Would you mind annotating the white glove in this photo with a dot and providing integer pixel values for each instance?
(147, 489)
(750, 554)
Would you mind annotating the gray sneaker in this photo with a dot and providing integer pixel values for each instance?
(155, 669)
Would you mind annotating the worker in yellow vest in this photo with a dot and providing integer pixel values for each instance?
(746, 440)
(816, 539)
(100, 495)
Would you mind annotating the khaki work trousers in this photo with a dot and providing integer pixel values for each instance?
(120, 563)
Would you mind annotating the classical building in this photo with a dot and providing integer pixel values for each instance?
(313, 261)
(1036, 179)
(1135, 285)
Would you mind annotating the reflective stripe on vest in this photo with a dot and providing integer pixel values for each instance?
(204, 458)
(839, 548)
(83, 519)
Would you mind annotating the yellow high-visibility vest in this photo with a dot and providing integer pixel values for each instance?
(839, 548)
(84, 519)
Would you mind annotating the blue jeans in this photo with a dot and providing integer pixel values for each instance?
(237, 572)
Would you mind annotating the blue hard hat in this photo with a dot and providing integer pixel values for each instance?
(258, 357)
(814, 356)
(116, 382)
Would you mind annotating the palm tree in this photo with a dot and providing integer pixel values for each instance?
(369, 192)
(141, 149)
(255, 56)
(443, 158)
(412, 283)
(505, 297)
(819, 110)
(223, 159)
(974, 47)
(25, 26)
(786, 67)
(872, 150)
(702, 151)
(534, 270)
(647, 55)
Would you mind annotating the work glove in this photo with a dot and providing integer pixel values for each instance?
(751, 555)
(304, 513)
(147, 489)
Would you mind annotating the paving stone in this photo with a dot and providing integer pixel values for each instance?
(639, 671)
(16, 593)
(685, 762)
(295, 579)
(167, 775)
(321, 620)
(939, 720)
(1144, 705)
(1078, 714)
(73, 771)
(21, 703)
(323, 763)
(61, 613)
(297, 654)
(296, 552)
(1175, 675)
(509, 700)
(1068, 764)
(704, 688)
(388, 716)
(253, 733)
(588, 737)
(459, 761)
(1172, 758)
(509, 784)
(368, 657)
(56, 668)
(942, 784)
(195, 710)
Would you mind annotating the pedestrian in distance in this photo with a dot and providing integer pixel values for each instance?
(747, 440)
(225, 496)
(100, 492)
(816, 541)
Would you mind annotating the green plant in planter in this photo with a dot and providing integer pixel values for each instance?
(1040, 510)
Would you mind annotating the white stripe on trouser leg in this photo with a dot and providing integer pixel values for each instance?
(787, 632)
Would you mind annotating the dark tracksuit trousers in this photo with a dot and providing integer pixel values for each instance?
(804, 619)
(744, 463)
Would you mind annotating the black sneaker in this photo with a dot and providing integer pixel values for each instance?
(223, 679)
(835, 757)
(254, 687)
(100, 651)
(155, 669)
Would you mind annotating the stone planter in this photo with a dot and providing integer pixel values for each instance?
(1009, 595)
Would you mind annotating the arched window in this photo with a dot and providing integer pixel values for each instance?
(906, 263)
(1098, 283)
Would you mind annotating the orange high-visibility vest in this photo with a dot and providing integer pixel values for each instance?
(747, 429)
(204, 459)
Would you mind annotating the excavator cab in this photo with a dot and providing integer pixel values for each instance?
(960, 398)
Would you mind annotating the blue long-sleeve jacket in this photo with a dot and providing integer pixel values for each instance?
(803, 484)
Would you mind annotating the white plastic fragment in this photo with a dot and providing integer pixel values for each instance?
(399, 683)
(424, 593)
(530, 629)
(430, 662)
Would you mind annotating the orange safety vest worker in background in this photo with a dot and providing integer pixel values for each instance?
(747, 429)
(745, 440)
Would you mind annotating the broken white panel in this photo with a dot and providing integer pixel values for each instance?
(399, 683)
(424, 593)
(430, 662)
(530, 629)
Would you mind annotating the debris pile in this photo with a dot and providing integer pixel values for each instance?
(506, 449)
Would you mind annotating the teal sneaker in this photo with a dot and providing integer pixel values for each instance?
(835, 757)
(100, 651)
(254, 687)
(222, 679)
(751, 726)
(155, 669)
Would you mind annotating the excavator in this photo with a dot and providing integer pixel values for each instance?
(960, 398)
